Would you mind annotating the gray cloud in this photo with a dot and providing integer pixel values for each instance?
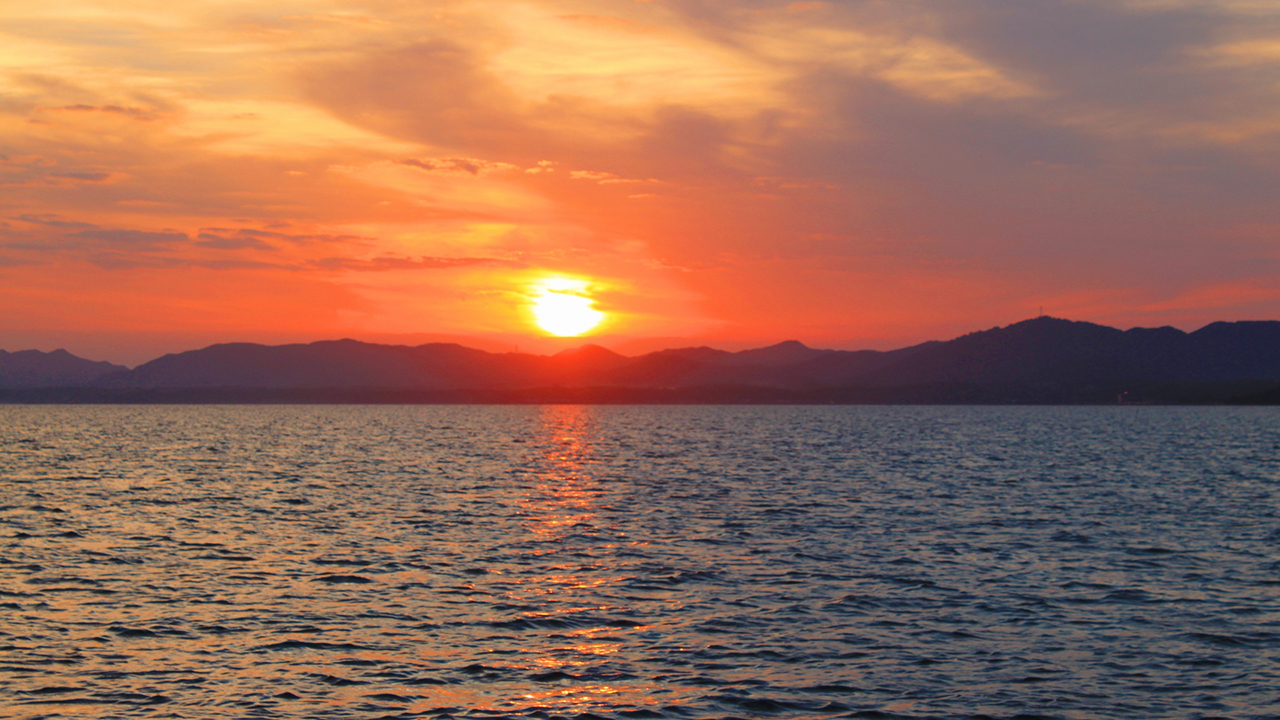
(93, 176)
(132, 261)
(383, 264)
(133, 113)
(249, 235)
(139, 239)
(55, 221)
(238, 241)
(472, 166)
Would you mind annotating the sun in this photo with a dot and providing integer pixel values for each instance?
(562, 307)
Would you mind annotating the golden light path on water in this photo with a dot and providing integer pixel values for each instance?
(561, 501)
(564, 500)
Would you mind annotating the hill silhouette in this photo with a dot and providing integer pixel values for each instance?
(1041, 360)
(35, 369)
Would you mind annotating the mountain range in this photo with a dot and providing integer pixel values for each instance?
(1043, 360)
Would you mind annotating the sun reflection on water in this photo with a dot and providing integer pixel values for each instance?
(570, 539)
(567, 490)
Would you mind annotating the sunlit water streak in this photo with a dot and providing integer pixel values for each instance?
(624, 562)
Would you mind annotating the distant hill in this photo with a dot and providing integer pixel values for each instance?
(1045, 360)
(1052, 351)
(35, 369)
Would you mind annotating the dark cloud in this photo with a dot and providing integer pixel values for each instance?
(251, 235)
(133, 113)
(1093, 51)
(683, 141)
(123, 249)
(130, 261)
(133, 261)
(96, 176)
(468, 165)
(55, 221)
(238, 241)
(138, 239)
(32, 177)
(236, 265)
(382, 264)
(428, 165)
(25, 161)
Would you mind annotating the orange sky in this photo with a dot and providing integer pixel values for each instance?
(851, 174)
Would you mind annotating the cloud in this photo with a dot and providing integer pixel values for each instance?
(133, 113)
(88, 176)
(240, 238)
(43, 177)
(436, 92)
(136, 239)
(919, 65)
(471, 166)
(135, 261)
(257, 127)
(590, 175)
(661, 64)
(240, 241)
(22, 162)
(384, 264)
(55, 221)
(605, 178)
(450, 193)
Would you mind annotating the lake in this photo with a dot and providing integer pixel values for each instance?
(639, 562)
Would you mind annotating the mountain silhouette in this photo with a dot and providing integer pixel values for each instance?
(1040, 360)
(1048, 351)
(35, 369)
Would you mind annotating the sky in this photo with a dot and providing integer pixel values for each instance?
(733, 173)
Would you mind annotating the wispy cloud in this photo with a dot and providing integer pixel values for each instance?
(385, 264)
(471, 166)
(56, 221)
(138, 239)
(133, 113)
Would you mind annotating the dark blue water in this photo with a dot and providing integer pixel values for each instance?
(639, 562)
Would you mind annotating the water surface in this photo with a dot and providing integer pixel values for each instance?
(633, 562)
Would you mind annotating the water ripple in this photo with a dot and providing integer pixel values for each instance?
(639, 562)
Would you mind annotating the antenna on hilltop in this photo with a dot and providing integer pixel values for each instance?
(1041, 311)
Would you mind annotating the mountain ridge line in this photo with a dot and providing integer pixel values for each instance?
(1043, 359)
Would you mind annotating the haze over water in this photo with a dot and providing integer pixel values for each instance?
(624, 562)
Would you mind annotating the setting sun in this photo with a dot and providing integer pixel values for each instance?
(561, 307)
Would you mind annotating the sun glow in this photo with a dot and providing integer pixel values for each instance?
(562, 307)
